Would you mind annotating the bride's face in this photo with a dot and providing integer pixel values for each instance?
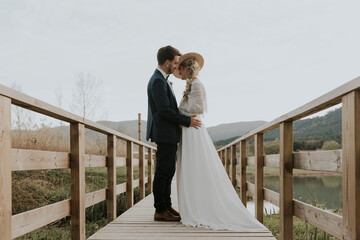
(183, 73)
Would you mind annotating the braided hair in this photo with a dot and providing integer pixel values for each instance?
(192, 68)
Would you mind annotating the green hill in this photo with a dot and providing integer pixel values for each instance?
(309, 133)
(324, 128)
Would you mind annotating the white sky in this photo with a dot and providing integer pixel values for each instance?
(263, 58)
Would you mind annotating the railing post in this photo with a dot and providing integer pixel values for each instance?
(155, 160)
(286, 181)
(130, 175)
(223, 157)
(227, 161)
(351, 165)
(5, 169)
(141, 171)
(111, 173)
(233, 165)
(259, 176)
(243, 172)
(150, 152)
(77, 152)
(139, 125)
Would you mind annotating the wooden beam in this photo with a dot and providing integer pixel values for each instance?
(121, 161)
(77, 152)
(150, 153)
(233, 165)
(139, 125)
(95, 197)
(227, 161)
(286, 181)
(136, 183)
(92, 161)
(251, 161)
(351, 165)
(155, 160)
(329, 161)
(324, 220)
(111, 175)
(130, 175)
(243, 172)
(31, 220)
(272, 197)
(5, 169)
(120, 188)
(24, 159)
(223, 157)
(142, 172)
(250, 187)
(272, 160)
(259, 177)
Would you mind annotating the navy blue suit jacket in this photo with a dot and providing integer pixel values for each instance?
(164, 119)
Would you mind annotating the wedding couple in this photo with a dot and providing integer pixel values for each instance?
(206, 196)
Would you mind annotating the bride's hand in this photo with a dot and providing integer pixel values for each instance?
(195, 123)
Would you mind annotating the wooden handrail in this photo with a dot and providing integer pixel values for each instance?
(36, 105)
(346, 161)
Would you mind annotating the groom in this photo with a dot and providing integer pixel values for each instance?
(163, 127)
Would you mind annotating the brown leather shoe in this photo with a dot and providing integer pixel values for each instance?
(173, 211)
(166, 216)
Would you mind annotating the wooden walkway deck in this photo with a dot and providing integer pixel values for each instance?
(137, 223)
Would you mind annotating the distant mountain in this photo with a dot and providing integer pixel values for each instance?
(313, 131)
(231, 130)
(324, 128)
(129, 128)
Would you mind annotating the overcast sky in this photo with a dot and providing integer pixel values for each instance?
(263, 58)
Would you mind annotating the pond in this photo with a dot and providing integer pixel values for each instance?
(325, 190)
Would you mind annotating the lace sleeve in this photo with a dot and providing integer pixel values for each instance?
(196, 102)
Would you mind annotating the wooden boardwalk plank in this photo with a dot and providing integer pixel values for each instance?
(138, 223)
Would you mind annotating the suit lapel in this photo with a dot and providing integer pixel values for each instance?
(172, 96)
(171, 93)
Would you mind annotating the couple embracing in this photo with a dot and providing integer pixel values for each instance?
(206, 196)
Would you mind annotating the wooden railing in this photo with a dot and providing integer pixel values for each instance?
(346, 161)
(76, 160)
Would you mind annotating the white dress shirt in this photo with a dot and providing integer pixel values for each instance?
(162, 72)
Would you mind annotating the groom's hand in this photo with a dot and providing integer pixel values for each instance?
(195, 123)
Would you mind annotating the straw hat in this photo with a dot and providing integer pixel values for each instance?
(197, 57)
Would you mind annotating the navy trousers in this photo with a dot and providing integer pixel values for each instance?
(164, 173)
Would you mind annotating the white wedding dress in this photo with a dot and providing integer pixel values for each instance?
(206, 196)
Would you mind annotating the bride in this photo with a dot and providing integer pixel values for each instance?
(206, 196)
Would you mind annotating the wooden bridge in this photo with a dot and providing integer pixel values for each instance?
(139, 216)
(138, 223)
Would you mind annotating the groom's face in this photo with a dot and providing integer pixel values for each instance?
(172, 65)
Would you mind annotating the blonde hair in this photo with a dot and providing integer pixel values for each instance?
(192, 68)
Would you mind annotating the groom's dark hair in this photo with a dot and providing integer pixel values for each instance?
(167, 53)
